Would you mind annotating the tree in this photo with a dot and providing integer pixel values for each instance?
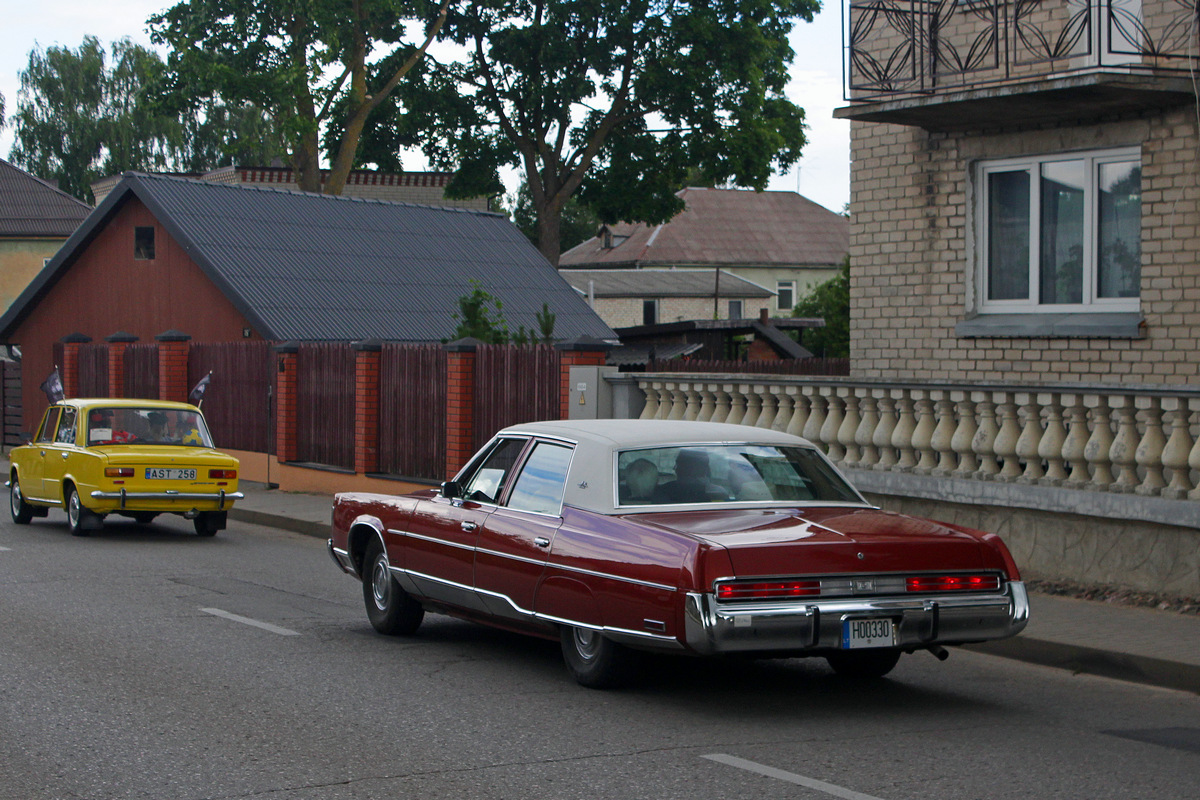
(627, 94)
(311, 64)
(82, 115)
(579, 223)
(831, 302)
(481, 316)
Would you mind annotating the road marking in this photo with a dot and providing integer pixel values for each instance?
(5, 548)
(790, 777)
(266, 626)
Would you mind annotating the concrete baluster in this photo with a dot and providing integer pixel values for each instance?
(864, 436)
(833, 422)
(678, 396)
(754, 404)
(816, 416)
(1007, 436)
(770, 407)
(1150, 449)
(1194, 456)
(1031, 436)
(922, 439)
(849, 427)
(963, 440)
(785, 406)
(882, 438)
(1050, 448)
(724, 402)
(943, 434)
(906, 425)
(737, 403)
(708, 402)
(800, 406)
(1099, 445)
(1077, 437)
(984, 442)
(1123, 453)
(1178, 448)
(693, 393)
(650, 410)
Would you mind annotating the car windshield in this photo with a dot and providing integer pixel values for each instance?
(147, 426)
(727, 473)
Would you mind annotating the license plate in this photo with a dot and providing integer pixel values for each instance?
(873, 632)
(170, 474)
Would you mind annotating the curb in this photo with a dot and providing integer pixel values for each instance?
(1091, 661)
(317, 529)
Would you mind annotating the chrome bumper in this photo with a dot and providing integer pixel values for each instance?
(124, 496)
(342, 559)
(711, 627)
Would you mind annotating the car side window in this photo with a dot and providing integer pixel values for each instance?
(540, 485)
(487, 482)
(49, 425)
(66, 427)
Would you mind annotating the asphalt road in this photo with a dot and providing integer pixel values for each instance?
(145, 662)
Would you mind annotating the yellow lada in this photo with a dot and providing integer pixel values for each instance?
(135, 458)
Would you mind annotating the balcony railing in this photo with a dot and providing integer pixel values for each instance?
(923, 46)
(1142, 442)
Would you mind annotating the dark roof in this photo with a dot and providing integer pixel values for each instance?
(30, 206)
(727, 227)
(313, 267)
(661, 283)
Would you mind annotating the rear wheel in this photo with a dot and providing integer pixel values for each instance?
(144, 517)
(390, 609)
(81, 520)
(864, 663)
(596, 661)
(22, 512)
(207, 523)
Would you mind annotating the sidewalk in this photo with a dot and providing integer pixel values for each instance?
(1160, 648)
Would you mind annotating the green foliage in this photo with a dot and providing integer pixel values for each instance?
(328, 66)
(481, 316)
(82, 115)
(831, 302)
(546, 319)
(616, 99)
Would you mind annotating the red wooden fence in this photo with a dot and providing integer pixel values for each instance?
(412, 411)
(237, 402)
(325, 404)
(514, 385)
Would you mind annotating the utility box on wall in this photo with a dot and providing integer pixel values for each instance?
(591, 395)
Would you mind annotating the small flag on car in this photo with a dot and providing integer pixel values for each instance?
(197, 394)
(53, 387)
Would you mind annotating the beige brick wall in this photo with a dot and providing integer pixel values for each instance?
(911, 268)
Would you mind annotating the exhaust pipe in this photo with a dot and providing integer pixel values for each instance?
(940, 652)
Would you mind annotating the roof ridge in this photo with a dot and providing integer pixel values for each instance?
(298, 193)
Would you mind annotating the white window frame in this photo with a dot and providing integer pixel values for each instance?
(1033, 164)
(779, 287)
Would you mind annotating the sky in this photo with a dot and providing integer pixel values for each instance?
(823, 174)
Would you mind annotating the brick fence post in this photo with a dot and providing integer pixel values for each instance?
(460, 403)
(70, 365)
(173, 365)
(286, 396)
(366, 405)
(116, 361)
(581, 351)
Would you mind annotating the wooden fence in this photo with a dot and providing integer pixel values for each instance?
(325, 404)
(514, 385)
(93, 370)
(238, 401)
(141, 370)
(412, 411)
(10, 402)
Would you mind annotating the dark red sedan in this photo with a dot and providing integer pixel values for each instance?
(623, 536)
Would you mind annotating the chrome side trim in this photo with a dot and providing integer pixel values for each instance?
(510, 556)
(433, 540)
(610, 576)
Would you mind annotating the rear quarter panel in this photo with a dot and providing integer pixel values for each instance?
(358, 516)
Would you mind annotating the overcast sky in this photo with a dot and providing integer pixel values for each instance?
(823, 175)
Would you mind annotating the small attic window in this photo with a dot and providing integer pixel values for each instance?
(143, 243)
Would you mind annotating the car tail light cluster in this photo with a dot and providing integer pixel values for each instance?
(222, 474)
(768, 590)
(952, 583)
(118, 472)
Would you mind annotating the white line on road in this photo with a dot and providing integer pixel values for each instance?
(266, 626)
(5, 548)
(790, 777)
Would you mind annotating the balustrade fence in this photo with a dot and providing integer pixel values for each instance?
(1105, 439)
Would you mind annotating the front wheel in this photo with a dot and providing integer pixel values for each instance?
(22, 512)
(863, 663)
(596, 661)
(389, 608)
(81, 520)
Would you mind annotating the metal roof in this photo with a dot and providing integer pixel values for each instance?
(314, 267)
(661, 283)
(31, 207)
(725, 227)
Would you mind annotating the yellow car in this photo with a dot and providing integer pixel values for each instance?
(136, 458)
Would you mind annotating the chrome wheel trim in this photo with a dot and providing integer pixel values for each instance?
(14, 497)
(381, 584)
(587, 643)
(73, 509)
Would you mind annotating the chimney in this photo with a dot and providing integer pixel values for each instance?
(764, 316)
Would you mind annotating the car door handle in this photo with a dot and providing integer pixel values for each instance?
(468, 526)
(542, 541)
(64, 455)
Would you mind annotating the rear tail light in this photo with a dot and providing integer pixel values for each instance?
(118, 472)
(764, 590)
(953, 583)
(222, 474)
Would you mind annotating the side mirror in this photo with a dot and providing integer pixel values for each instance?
(25, 437)
(451, 490)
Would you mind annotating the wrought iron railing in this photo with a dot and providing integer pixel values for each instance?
(923, 46)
